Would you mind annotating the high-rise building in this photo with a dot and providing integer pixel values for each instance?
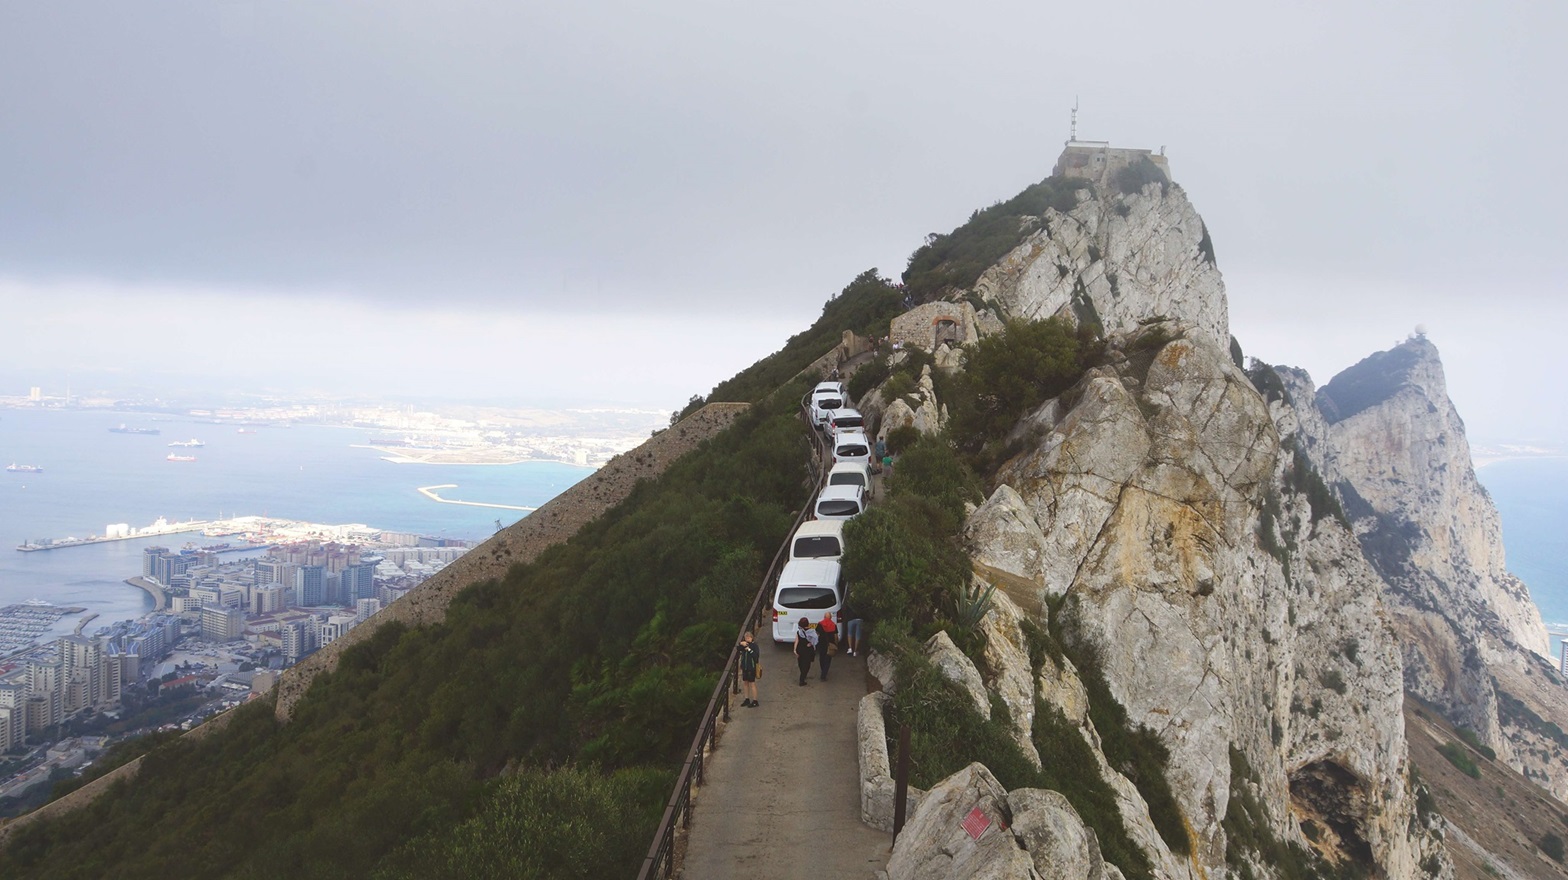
(46, 682)
(364, 608)
(310, 582)
(269, 599)
(222, 624)
(359, 580)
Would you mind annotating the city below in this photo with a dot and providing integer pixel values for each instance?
(219, 633)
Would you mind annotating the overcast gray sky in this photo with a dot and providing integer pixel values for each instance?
(633, 200)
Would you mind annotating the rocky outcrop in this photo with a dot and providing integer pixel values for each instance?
(1116, 260)
(925, 416)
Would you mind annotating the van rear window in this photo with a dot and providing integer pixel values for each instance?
(843, 479)
(838, 507)
(853, 450)
(817, 547)
(849, 422)
(829, 403)
(807, 597)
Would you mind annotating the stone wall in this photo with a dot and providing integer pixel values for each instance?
(926, 326)
(521, 542)
(1096, 161)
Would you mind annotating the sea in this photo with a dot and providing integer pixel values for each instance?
(1531, 494)
(92, 478)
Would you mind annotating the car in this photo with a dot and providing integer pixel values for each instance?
(851, 473)
(852, 446)
(846, 418)
(822, 406)
(840, 502)
(807, 588)
(818, 539)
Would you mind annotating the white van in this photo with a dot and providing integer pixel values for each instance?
(807, 588)
(846, 419)
(818, 539)
(840, 502)
(851, 473)
(852, 446)
(833, 387)
(823, 405)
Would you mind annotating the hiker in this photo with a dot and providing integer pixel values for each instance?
(851, 630)
(805, 647)
(750, 667)
(827, 642)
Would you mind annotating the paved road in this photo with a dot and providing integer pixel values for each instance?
(782, 800)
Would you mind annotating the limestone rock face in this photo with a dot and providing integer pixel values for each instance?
(1058, 843)
(1118, 259)
(935, 846)
(1163, 517)
(960, 670)
(1388, 441)
(927, 417)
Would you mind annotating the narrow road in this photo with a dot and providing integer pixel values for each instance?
(782, 799)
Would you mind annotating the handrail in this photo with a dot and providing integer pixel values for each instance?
(661, 853)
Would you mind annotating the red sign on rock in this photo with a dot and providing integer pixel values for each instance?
(976, 823)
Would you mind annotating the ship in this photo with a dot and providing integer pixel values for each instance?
(15, 468)
(122, 429)
(173, 457)
(246, 431)
(190, 444)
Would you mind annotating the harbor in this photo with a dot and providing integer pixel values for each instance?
(117, 532)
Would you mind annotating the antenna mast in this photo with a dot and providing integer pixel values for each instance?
(1072, 133)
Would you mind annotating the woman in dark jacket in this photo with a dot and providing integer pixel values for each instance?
(827, 642)
(750, 667)
(805, 647)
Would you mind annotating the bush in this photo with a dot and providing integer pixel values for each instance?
(1552, 845)
(1460, 757)
(1007, 375)
(957, 259)
(1333, 680)
(1474, 742)
(1134, 176)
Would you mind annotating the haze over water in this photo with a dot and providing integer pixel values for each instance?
(92, 478)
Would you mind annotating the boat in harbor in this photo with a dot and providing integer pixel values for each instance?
(122, 428)
(14, 468)
(188, 444)
(173, 457)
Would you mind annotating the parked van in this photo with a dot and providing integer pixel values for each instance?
(823, 405)
(807, 588)
(851, 473)
(840, 502)
(818, 539)
(846, 419)
(833, 387)
(852, 446)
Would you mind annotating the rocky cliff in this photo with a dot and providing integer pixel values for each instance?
(1160, 518)
(1389, 441)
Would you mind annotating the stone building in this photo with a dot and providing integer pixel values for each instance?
(1096, 160)
(928, 326)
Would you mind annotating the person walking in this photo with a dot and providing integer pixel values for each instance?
(852, 624)
(750, 667)
(805, 647)
(827, 642)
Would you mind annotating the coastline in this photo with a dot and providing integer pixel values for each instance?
(462, 457)
(160, 599)
(430, 492)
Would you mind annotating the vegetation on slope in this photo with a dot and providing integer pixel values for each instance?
(429, 751)
(956, 260)
(867, 306)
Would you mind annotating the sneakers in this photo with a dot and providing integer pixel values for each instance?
(747, 702)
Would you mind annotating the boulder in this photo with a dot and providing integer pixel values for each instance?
(935, 846)
(1059, 844)
(960, 670)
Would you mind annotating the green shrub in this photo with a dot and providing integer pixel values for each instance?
(1474, 742)
(1552, 845)
(1007, 375)
(957, 259)
(1459, 756)
(1134, 176)
(1333, 680)
(902, 438)
(868, 376)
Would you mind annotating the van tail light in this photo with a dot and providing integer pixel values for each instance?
(775, 616)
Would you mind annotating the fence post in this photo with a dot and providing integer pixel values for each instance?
(901, 781)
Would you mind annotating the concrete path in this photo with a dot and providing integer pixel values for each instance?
(782, 799)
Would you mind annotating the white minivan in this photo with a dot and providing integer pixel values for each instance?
(851, 473)
(818, 539)
(823, 405)
(840, 502)
(807, 588)
(852, 446)
(846, 419)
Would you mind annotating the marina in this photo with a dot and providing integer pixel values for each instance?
(22, 625)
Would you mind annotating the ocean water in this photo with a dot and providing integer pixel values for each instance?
(92, 478)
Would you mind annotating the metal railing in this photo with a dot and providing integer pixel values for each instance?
(660, 861)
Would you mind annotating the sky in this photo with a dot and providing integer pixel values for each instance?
(628, 202)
